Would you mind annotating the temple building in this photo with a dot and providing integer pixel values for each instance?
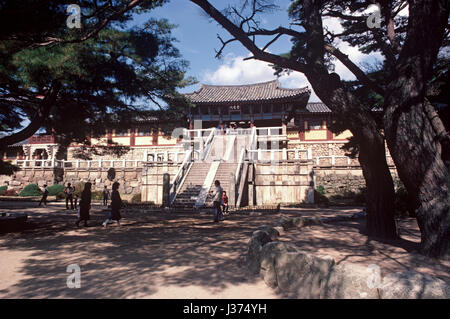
(267, 144)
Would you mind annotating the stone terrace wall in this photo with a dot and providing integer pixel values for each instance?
(39, 176)
(282, 183)
(130, 179)
(338, 181)
(152, 181)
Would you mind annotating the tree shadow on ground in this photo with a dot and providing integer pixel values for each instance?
(148, 252)
(345, 242)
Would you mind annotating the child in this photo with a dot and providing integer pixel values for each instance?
(225, 203)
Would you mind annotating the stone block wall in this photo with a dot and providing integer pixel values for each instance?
(341, 181)
(22, 178)
(285, 182)
(152, 181)
(320, 148)
(130, 179)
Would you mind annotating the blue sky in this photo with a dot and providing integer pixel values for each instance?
(197, 41)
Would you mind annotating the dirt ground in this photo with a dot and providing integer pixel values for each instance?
(173, 255)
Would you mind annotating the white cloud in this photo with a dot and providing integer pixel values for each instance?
(235, 70)
(356, 56)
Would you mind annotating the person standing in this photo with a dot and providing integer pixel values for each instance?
(217, 199)
(225, 203)
(69, 196)
(85, 205)
(44, 196)
(116, 204)
(75, 201)
(105, 196)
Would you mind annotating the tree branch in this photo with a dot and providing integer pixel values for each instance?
(50, 40)
(37, 122)
(243, 37)
(360, 75)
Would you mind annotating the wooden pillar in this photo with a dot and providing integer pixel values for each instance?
(108, 137)
(132, 137)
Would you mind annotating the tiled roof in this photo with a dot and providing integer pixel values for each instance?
(266, 91)
(19, 143)
(317, 107)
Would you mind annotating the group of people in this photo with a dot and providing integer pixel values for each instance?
(232, 129)
(71, 197)
(220, 202)
(85, 202)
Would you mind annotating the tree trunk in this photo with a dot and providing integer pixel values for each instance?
(417, 155)
(415, 135)
(380, 221)
(330, 90)
(380, 192)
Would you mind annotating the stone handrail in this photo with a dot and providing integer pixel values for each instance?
(239, 170)
(257, 154)
(252, 145)
(332, 158)
(176, 181)
(208, 143)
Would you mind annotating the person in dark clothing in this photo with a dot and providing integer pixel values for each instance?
(75, 201)
(85, 205)
(105, 196)
(44, 196)
(116, 204)
(69, 196)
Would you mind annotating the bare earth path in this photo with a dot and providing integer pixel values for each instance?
(178, 255)
(153, 255)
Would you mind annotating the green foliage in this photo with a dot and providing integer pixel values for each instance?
(97, 195)
(79, 187)
(118, 77)
(3, 188)
(320, 198)
(136, 198)
(6, 168)
(55, 189)
(61, 195)
(31, 190)
(321, 189)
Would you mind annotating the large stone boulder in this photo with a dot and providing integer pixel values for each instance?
(273, 232)
(350, 281)
(302, 273)
(270, 252)
(413, 285)
(257, 241)
(298, 222)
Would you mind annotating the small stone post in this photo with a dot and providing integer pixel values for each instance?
(232, 191)
(251, 185)
(166, 190)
